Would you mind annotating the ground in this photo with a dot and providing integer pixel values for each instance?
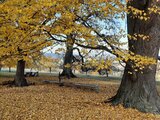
(51, 102)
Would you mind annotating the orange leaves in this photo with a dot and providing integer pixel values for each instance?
(144, 14)
(99, 63)
(60, 50)
(44, 63)
(67, 65)
(139, 61)
(51, 102)
(21, 27)
(136, 36)
(24, 23)
(136, 13)
(154, 9)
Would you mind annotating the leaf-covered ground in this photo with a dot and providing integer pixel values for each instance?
(51, 102)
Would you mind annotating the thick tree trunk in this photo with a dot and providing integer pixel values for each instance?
(138, 90)
(67, 70)
(20, 78)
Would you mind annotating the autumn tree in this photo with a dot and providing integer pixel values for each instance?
(47, 63)
(23, 31)
(140, 59)
(83, 26)
(138, 86)
(67, 32)
(85, 19)
(20, 33)
(24, 25)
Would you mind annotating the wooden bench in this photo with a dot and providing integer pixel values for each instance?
(91, 87)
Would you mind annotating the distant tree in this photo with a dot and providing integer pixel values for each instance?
(9, 63)
(48, 63)
(1, 65)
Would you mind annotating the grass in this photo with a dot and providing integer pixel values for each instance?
(7, 74)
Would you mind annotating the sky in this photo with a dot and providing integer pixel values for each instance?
(122, 24)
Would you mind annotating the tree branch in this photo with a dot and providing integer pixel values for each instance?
(53, 38)
(82, 57)
(98, 47)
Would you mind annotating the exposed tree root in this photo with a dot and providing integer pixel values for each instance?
(68, 74)
(146, 105)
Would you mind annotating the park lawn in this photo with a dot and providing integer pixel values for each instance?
(51, 102)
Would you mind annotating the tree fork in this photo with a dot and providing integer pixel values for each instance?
(67, 71)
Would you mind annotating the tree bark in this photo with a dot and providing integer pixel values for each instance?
(67, 71)
(20, 78)
(50, 69)
(9, 69)
(138, 90)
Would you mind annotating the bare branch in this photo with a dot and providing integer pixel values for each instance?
(53, 38)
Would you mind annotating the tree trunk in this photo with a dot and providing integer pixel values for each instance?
(50, 69)
(67, 70)
(9, 69)
(19, 78)
(138, 90)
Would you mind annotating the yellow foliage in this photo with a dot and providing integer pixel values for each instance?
(23, 26)
(67, 65)
(140, 62)
(136, 36)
